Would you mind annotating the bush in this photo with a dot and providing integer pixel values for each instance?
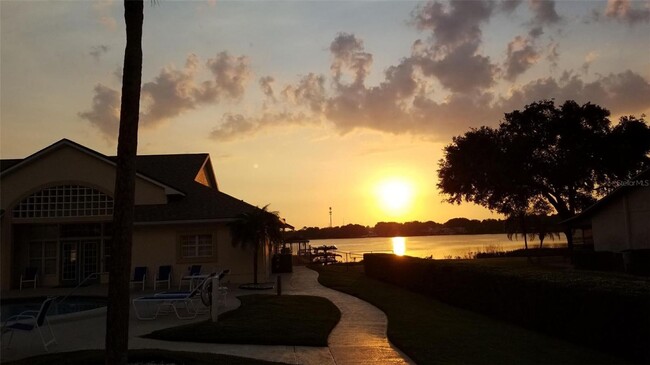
(597, 260)
(637, 262)
(600, 315)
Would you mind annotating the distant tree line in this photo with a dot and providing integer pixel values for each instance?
(416, 228)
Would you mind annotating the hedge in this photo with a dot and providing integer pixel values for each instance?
(608, 315)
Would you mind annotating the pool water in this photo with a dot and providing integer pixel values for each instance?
(11, 307)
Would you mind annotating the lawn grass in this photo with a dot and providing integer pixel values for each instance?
(96, 357)
(293, 320)
(432, 332)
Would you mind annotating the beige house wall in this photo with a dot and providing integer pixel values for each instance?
(58, 167)
(155, 245)
(623, 223)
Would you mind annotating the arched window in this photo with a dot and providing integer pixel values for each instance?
(65, 201)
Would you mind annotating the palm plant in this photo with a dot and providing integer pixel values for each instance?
(255, 230)
(516, 224)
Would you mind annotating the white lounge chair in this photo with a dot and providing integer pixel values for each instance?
(31, 321)
(169, 302)
(30, 276)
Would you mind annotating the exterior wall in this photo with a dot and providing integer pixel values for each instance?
(639, 218)
(157, 245)
(623, 223)
(65, 165)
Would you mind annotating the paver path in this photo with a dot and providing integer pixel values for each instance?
(359, 338)
(360, 335)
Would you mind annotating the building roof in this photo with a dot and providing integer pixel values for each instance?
(188, 199)
(639, 181)
(199, 203)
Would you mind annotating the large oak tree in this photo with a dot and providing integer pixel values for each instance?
(559, 157)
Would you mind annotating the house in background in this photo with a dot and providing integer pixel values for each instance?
(619, 221)
(57, 207)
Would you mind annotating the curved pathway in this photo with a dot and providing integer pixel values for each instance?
(359, 337)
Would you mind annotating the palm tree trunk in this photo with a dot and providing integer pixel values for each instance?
(117, 316)
(255, 253)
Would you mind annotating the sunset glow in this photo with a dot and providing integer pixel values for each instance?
(399, 246)
(395, 196)
(307, 105)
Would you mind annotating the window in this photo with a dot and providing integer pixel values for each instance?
(42, 255)
(65, 201)
(196, 245)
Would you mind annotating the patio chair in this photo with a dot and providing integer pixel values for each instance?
(31, 321)
(222, 290)
(164, 276)
(30, 276)
(194, 272)
(169, 302)
(139, 276)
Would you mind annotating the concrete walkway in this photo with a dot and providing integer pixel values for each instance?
(359, 338)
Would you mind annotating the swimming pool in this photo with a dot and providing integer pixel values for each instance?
(73, 304)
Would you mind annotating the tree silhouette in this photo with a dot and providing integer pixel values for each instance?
(117, 316)
(564, 156)
(255, 230)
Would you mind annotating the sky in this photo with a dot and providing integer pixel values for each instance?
(307, 105)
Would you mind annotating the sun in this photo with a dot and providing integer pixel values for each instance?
(395, 196)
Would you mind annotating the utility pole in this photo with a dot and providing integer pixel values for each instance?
(330, 217)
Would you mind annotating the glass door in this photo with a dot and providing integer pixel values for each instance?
(79, 259)
(89, 259)
(69, 263)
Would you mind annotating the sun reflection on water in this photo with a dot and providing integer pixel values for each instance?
(399, 246)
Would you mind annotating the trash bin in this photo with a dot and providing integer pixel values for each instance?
(281, 263)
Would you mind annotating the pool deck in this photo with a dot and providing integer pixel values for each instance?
(359, 337)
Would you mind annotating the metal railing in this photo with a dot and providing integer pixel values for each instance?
(91, 276)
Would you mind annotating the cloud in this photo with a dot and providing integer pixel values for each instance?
(552, 54)
(544, 12)
(309, 91)
(230, 74)
(97, 51)
(462, 69)
(103, 9)
(451, 54)
(509, 6)
(266, 84)
(622, 93)
(455, 24)
(173, 92)
(624, 11)
(589, 59)
(233, 126)
(105, 111)
(348, 54)
(520, 56)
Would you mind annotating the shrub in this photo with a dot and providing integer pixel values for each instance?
(603, 315)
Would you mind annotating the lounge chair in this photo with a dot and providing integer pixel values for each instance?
(164, 276)
(139, 276)
(30, 276)
(168, 302)
(30, 321)
(194, 272)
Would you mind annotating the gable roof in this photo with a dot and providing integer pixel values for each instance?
(9, 166)
(188, 199)
(200, 202)
(640, 180)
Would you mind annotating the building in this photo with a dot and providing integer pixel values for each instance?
(57, 207)
(619, 221)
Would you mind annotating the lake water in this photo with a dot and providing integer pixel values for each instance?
(439, 247)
